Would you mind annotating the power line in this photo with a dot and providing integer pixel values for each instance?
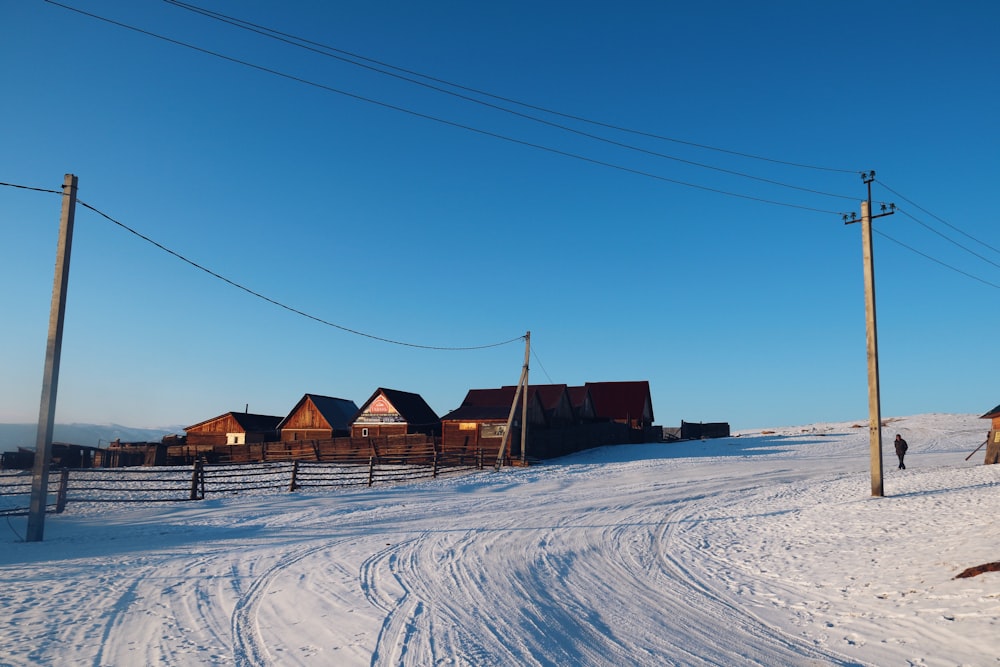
(946, 238)
(258, 294)
(306, 44)
(939, 219)
(534, 353)
(936, 261)
(444, 121)
(302, 42)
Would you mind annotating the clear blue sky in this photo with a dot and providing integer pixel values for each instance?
(476, 229)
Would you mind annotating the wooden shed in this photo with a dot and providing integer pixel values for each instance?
(993, 440)
(623, 402)
(233, 428)
(394, 412)
(317, 417)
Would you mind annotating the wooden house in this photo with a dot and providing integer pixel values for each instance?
(623, 402)
(556, 405)
(481, 420)
(993, 439)
(233, 428)
(317, 417)
(393, 412)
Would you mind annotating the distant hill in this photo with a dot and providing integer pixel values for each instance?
(13, 436)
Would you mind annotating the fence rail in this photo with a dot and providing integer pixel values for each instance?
(15, 493)
(195, 482)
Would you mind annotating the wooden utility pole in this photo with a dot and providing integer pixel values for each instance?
(520, 393)
(871, 334)
(50, 379)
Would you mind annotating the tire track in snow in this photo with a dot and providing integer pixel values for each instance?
(249, 649)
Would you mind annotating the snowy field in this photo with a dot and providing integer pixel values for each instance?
(764, 549)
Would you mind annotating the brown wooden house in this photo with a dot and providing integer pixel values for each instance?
(233, 428)
(623, 402)
(481, 421)
(393, 412)
(993, 439)
(317, 417)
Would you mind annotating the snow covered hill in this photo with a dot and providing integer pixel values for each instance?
(762, 549)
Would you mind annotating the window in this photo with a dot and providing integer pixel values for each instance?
(364, 433)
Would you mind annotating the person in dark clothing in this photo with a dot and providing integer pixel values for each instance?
(901, 448)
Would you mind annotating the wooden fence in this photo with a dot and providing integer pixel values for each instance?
(199, 480)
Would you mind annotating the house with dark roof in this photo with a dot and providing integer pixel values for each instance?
(393, 412)
(317, 417)
(623, 402)
(233, 428)
(993, 439)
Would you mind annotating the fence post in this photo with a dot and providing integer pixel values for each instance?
(295, 474)
(61, 495)
(479, 457)
(371, 470)
(197, 476)
(434, 472)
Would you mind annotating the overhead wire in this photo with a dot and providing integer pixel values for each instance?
(308, 45)
(938, 218)
(274, 302)
(556, 151)
(934, 259)
(303, 41)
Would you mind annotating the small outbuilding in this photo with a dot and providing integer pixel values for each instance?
(317, 417)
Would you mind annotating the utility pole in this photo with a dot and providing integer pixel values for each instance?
(520, 393)
(871, 332)
(50, 379)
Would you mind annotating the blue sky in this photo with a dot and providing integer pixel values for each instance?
(396, 210)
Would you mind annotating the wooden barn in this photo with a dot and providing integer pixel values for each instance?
(233, 428)
(317, 417)
(623, 402)
(993, 440)
(393, 412)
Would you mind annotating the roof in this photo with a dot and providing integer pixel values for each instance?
(577, 395)
(478, 413)
(251, 422)
(411, 407)
(337, 412)
(620, 400)
(995, 412)
(248, 421)
(548, 394)
(490, 397)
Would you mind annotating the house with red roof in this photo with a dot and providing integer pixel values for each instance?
(623, 402)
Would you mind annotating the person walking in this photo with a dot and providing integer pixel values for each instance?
(901, 448)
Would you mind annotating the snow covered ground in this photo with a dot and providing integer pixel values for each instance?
(764, 549)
